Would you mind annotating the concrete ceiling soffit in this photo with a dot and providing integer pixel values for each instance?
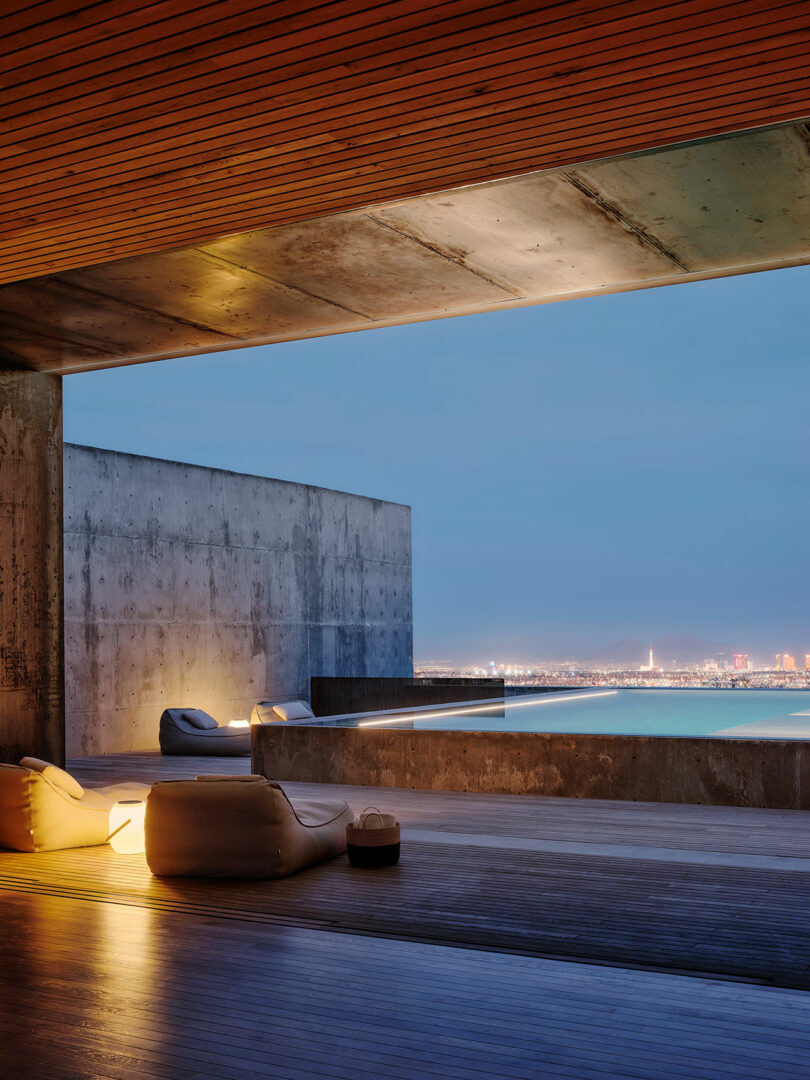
(729, 205)
(726, 204)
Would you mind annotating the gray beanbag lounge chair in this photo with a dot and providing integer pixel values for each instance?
(192, 731)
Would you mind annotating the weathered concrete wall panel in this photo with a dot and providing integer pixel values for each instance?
(725, 772)
(31, 640)
(194, 586)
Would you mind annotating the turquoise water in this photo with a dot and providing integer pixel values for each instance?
(632, 712)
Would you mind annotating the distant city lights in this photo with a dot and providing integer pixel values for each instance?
(736, 671)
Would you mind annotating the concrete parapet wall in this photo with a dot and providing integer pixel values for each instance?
(724, 772)
(193, 586)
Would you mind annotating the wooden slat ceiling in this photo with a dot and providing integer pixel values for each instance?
(723, 206)
(128, 128)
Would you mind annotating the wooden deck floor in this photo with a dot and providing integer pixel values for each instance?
(518, 938)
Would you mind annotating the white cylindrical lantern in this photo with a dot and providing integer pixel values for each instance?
(126, 827)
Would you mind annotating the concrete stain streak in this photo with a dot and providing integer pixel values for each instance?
(444, 253)
(603, 204)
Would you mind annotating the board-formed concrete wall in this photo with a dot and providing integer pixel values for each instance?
(193, 586)
(31, 639)
(772, 773)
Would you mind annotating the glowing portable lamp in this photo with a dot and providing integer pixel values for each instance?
(126, 827)
(239, 723)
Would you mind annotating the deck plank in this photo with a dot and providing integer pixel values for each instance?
(172, 995)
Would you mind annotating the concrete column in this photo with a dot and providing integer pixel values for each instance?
(32, 695)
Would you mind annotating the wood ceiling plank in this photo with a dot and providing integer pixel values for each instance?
(19, 15)
(228, 168)
(679, 31)
(222, 139)
(39, 191)
(569, 147)
(137, 94)
(302, 37)
(362, 191)
(155, 204)
(121, 224)
(375, 123)
(427, 44)
(480, 61)
(516, 26)
(74, 29)
(236, 114)
(351, 104)
(162, 29)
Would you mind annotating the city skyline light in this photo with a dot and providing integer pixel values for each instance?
(721, 661)
(716, 672)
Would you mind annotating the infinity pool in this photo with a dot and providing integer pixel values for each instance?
(776, 714)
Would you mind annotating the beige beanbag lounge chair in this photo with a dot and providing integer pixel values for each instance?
(240, 827)
(269, 712)
(42, 808)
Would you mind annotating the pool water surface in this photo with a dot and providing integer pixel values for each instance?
(733, 713)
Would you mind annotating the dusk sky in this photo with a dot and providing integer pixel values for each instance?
(629, 466)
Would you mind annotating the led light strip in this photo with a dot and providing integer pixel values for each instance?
(544, 700)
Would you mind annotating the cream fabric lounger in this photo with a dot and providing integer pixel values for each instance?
(240, 827)
(42, 808)
(269, 712)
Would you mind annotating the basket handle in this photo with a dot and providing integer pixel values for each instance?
(375, 811)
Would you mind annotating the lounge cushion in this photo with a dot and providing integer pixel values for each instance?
(238, 828)
(263, 713)
(56, 775)
(293, 710)
(199, 719)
